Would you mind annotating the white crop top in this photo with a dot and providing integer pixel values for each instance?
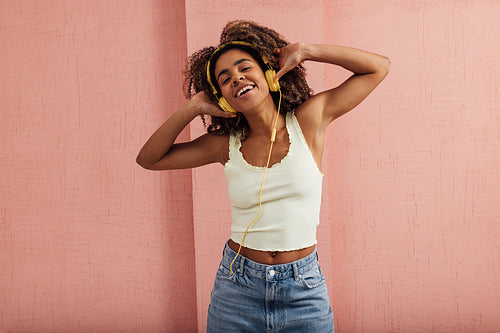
(291, 196)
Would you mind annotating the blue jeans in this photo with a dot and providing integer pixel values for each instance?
(269, 298)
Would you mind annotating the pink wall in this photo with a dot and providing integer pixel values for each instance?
(414, 170)
(89, 242)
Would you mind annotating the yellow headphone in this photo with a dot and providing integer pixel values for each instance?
(269, 72)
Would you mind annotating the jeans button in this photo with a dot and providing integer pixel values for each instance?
(272, 272)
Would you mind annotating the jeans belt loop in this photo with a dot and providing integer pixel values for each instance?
(242, 264)
(295, 272)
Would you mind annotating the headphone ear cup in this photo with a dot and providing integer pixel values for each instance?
(224, 105)
(273, 86)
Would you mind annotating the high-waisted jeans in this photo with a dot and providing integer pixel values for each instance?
(269, 298)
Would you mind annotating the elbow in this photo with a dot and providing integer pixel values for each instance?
(386, 65)
(383, 68)
(380, 68)
(143, 163)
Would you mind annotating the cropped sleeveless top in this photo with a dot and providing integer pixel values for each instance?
(291, 196)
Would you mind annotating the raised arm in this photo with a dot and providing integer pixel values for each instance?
(161, 153)
(369, 69)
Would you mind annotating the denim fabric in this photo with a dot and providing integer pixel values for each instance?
(269, 298)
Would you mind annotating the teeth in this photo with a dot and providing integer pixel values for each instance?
(243, 90)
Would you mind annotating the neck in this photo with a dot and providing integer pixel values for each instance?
(263, 119)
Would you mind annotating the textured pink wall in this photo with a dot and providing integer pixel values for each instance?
(414, 170)
(89, 241)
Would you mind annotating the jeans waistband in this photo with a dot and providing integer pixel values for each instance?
(245, 266)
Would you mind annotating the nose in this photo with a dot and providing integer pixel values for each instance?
(238, 77)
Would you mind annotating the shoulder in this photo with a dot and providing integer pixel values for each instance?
(309, 115)
(218, 144)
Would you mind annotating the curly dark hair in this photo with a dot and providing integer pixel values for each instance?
(294, 87)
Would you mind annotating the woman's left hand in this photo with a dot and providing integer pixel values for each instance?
(290, 57)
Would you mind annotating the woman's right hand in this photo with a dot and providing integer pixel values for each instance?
(205, 106)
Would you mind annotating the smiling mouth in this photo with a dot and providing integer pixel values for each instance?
(244, 90)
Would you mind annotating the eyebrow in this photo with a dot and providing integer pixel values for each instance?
(224, 71)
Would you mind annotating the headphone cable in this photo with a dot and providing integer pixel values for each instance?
(273, 138)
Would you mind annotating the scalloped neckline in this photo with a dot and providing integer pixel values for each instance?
(275, 165)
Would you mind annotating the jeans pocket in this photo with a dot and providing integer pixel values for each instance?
(224, 273)
(312, 278)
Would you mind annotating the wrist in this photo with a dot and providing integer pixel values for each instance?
(193, 108)
(307, 51)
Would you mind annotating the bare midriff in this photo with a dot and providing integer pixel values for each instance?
(271, 257)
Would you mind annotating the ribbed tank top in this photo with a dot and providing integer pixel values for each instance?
(291, 196)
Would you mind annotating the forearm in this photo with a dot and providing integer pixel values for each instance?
(354, 60)
(164, 137)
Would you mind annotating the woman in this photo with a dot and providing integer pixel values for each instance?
(270, 139)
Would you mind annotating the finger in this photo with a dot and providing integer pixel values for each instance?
(280, 73)
(277, 76)
(218, 112)
(226, 115)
